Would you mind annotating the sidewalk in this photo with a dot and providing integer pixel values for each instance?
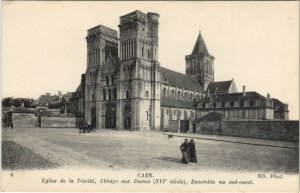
(240, 140)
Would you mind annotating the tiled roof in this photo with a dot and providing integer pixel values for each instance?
(221, 86)
(233, 97)
(67, 95)
(46, 99)
(278, 105)
(78, 88)
(212, 116)
(176, 103)
(178, 79)
(277, 102)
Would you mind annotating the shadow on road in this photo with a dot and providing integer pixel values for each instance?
(171, 159)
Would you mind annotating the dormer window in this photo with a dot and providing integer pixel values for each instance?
(223, 104)
(214, 104)
(241, 103)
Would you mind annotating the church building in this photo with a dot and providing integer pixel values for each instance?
(126, 88)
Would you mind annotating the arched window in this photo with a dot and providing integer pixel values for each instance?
(112, 80)
(127, 94)
(107, 81)
(173, 94)
(178, 94)
(164, 92)
(115, 93)
(142, 51)
(146, 94)
(109, 94)
(185, 96)
(104, 94)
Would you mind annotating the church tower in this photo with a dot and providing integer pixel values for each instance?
(138, 102)
(200, 63)
(102, 42)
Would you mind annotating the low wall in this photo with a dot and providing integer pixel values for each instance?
(208, 127)
(58, 122)
(274, 130)
(24, 120)
(265, 129)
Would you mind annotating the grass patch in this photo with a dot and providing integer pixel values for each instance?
(15, 157)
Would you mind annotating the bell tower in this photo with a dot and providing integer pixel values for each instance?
(138, 102)
(101, 43)
(200, 63)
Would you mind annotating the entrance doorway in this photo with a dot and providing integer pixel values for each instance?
(184, 126)
(127, 118)
(93, 117)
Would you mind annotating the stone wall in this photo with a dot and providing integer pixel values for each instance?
(58, 121)
(24, 120)
(267, 129)
(274, 130)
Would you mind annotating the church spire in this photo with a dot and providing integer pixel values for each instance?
(200, 64)
(200, 46)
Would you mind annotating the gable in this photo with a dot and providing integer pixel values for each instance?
(221, 87)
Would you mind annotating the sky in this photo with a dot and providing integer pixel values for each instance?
(255, 43)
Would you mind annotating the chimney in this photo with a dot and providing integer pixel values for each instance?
(59, 94)
(244, 90)
(48, 93)
(268, 96)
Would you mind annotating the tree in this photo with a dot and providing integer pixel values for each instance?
(7, 102)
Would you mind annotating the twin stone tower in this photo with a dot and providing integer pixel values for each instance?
(124, 80)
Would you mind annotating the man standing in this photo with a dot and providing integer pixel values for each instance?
(185, 152)
(192, 151)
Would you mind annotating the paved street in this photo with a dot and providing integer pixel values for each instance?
(153, 150)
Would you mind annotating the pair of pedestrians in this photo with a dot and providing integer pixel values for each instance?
(188, 151)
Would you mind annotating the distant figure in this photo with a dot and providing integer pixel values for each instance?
(192, 151)
(185, 152)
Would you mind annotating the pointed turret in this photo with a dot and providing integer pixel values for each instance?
(200, 46)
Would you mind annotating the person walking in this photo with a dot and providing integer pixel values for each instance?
(192, 151)
(185, 152)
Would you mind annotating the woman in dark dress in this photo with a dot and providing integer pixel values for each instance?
(185, 152)
(192, 151)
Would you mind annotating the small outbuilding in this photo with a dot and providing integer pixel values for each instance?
(209, 123)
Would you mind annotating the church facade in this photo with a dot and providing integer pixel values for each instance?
(126, 88)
